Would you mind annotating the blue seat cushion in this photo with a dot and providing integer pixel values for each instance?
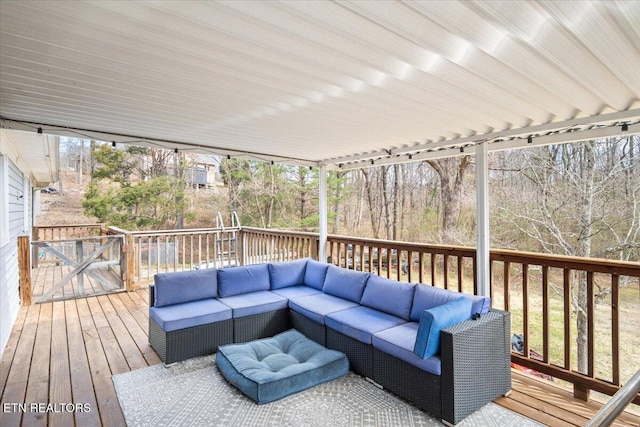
(188, 314)
(344, 283)
(269, 369)
(427, 297)
(389, 296)
(185, 286)
(315, 274)
(296, 291)
(435, 320)
(316, 307)
(399, 342)
(242, 280)
(361, 322)
(254, 303)
(285, 274)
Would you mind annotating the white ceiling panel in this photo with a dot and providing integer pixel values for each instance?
(318, 82)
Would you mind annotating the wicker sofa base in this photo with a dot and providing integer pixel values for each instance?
(419, 387)
(189, 342)
(360, 355)
(261, 325)
(308, 327)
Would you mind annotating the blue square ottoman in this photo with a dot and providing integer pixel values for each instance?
(272, 368)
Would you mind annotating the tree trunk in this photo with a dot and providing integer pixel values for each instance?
(451, 172)
(583, 249)
(385, 202)
(396, 200)
(372, 211)
(179, 195)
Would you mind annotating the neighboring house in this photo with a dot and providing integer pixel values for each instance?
(204, 171)
(28, 162)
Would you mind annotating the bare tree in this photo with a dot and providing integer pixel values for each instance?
(572, 201)
(451, 172)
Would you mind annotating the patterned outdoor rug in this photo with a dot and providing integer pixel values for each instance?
(194, 393)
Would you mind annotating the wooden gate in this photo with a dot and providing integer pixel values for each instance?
(79, 267)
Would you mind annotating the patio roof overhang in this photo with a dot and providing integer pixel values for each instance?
(320, 83)
(34, 154)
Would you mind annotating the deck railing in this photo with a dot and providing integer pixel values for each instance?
(163, 251)
(544, 293)
(260, 245)
(541, 291)
(61, 233)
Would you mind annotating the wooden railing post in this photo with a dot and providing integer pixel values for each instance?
(129, 256)
(36, 236)
(240, 249)
(24, 261)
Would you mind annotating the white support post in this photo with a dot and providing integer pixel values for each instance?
(322, 208)
(482, 215)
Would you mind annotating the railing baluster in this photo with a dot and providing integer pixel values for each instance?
(615, 329)
(525, 308)
(566, 277)
(433, 269)
(460, 273)
(591, 329)
(445, 267)
(507, 288)
(545, 314)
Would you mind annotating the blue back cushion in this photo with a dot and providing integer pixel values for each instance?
(479, 304)
(315, 274)
(185, 286)
(285, 274)
(435, 320)
(344, 283)
(389, 296)
(427, 297)
(241, 280)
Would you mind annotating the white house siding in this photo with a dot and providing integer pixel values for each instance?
(17, 204)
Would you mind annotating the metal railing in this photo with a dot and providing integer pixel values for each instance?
(614, 407)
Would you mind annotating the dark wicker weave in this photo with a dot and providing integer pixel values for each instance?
(476, 358)
(407, 381)
(261, 325)
(189, 342)
(360, 355)
(308, 327)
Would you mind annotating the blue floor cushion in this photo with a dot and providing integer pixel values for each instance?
(272, 368)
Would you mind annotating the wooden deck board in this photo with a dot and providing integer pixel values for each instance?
(10, 349)
(81, 381)
(87, 340)
(38, 384)
(60, 375)
(47, 275)
(105, 393)
(18, 377)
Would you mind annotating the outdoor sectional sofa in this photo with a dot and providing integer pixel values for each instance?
(447, 353)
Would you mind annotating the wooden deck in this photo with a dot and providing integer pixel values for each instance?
(67, 351)
(47, 275)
